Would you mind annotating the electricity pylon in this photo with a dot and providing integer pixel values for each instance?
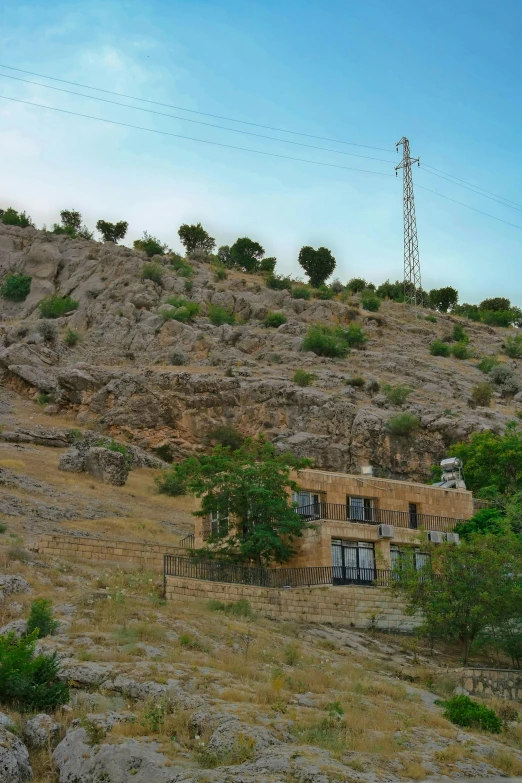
(412, 273)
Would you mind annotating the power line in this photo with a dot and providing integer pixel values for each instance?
(468, 207)
(477, 187)
(474, 189)
(193, 111)
(197, 122)
(190, 138)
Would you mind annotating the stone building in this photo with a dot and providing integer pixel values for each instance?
(361, 524)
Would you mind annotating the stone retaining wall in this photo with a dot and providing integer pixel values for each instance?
(149, 556)
(361, 607)
(502, 683)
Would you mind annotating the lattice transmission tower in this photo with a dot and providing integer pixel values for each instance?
(412, 273)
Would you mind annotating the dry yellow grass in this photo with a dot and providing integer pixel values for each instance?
(12, 464)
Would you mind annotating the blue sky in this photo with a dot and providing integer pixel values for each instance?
(445, 74)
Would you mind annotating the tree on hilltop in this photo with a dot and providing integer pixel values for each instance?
(195, 239)
(318, 264)
(112, 232)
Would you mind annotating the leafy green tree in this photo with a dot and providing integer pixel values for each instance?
(195, 239)
(10, 217)
(443, 299)
(150, 245)
(112, 232)
(356, 285)
(492, 462)
(487, 521)
(245, 254)
(394, 291)
(476, 587)
(72, 225)
(16, 287)
(224, 256)
(29, 681)
(496, 304)
(41, 618)
(268, 264)
(318, 264)
(250, 488)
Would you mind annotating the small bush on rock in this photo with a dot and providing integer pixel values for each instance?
(55, 306)
(487, 363)
(326, 341)
(463, 711)
(29, 681)
(403, 424)
(439, 348)
(178, 358)
(459, 335)
(481, 395)
(460, 351)
(48, 330)
(185, 311)
(228, 436)
(274, 320)
(71, 337)
(370, 301)
(300, 292)
(41, 619)
(10, 217)
(219, 271)
(303, 378)
(16, 287)
(221, 315)
(513, 346)
(152, 271)
(278, 283)
(150, 245)
(397, 395)
(356, 285)
(324, 292)
(357, 382)
(355, 336)
(181, 266)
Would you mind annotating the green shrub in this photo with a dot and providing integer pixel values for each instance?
(355, 336)
(185, 311)
(152, 271)
(29, 681)
(219, 271)
(326, 341)
(513, 346)
(228, 436)
(3, 527)
(267, 264)
(403, 424)
(150, 245)
(300, 292)
(43, 398)
(48, 330)
(487, 363)
(303, 378)
(55, 306)
(16, 287)
(181, 266)
(356, 285)
(10, 217)
(481, 395)
(459, 335)
(325, 292)
(41, 619)
(497, 318)
(357, 381)
(220, 315)
(460, 351)
(370, 301)
(278, 283)
(373, 386)
(274, 320)
(71, 337)
(397, 395)
(439, 348)
(463, 711)
(431, 319)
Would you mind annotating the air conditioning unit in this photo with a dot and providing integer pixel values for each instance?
(453, 538)
(435, 537)
(386, 531)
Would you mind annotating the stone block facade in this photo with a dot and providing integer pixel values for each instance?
(502, 683)
(360, 607)
(147, 556)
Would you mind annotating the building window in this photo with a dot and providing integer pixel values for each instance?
(307, 503)
(353, 562)
(218, 523)
(359, 509)
(420, 559)
(413, 516)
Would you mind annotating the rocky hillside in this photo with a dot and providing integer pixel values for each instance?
(156, 381)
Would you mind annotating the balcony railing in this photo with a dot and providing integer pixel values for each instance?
(215, 571)
(337, 512)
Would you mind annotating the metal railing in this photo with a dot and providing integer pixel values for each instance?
(216, 571)
(337, 512)
(187, 542)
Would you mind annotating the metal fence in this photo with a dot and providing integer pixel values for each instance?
(187, 542)
(216, 571)
(338, 512)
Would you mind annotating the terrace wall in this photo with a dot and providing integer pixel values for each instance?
(148, 556)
